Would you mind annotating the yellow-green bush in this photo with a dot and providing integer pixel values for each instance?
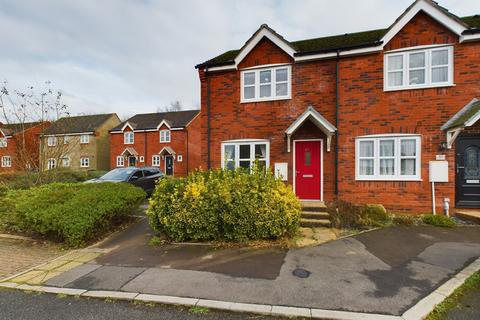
(227, 205)
(73, 213)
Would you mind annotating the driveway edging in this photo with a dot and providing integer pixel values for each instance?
(417, 312)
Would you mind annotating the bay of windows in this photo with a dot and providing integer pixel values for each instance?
(388, 158)
(419, 68)
(266, 84)
(243, 154)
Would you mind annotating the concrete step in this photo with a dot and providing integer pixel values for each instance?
(314, 206)
(315, 215)
(472, 215)
(314, 223)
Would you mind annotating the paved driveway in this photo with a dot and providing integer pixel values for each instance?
(384, 271)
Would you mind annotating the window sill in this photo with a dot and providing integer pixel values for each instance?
(265, 100)
(419, 87)
(389, 180)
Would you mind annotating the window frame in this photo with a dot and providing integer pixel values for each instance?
(49, 161)
(84, 139)
(405, 53)
(82, 165)
(51, 141)
(69, 161)
(121, 163)
(155, 156)
(6, 161)
(165, 131)
(273, 83)
(3, 142)
(397, 176)
(66, 139)
(252, 143)
(126, 136)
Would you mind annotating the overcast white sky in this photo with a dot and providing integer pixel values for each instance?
(132, 56)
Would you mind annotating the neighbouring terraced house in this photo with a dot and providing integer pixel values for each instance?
(365, 117)
(169, 140)
(19, 145)
(78, 142)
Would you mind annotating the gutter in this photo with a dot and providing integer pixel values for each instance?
(208, 119)
(337, 104)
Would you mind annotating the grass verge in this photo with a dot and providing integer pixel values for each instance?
(453, 301)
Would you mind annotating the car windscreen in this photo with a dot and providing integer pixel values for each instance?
(118, 174)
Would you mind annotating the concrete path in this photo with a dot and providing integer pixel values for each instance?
(385, 271)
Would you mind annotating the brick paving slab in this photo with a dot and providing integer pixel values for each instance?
(18, 255)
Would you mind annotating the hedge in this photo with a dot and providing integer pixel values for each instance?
(73, 213)
(224, 205)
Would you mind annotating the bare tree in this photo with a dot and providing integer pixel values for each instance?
(173, 106)
(21, 110)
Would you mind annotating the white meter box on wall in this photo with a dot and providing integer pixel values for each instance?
(438, 171)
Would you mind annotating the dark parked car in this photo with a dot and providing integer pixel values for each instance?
(144, 177)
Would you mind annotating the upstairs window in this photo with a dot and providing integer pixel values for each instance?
(52, 141)
(388, 158)
(66, 139)
(414, 69)
(3, 142)
(266, 84)
(128, 137)
(164, 135)
(84, 139)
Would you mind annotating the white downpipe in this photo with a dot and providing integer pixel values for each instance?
(433, 198)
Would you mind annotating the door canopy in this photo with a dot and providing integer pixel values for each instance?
(466, 117)
(316, 118)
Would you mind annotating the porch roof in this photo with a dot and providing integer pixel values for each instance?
(316, 118)
(466, 117)
(129, 151)
(167, 150)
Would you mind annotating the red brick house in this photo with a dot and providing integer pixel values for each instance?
(19, 146)
(169, 140)
(359, 117)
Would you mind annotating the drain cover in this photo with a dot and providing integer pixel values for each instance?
(301, 273)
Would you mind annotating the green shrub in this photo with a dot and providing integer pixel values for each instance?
(226, 205)
(438, 221)
(403, 220)
(74, 213)
(346, 215)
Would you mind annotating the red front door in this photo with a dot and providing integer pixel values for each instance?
(307, 170)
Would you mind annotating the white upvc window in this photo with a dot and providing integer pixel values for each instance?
(156, 160)
(128, 137)
(416, 69)
(66, 139)
(84, 138)
(243, 153)
(3, 142)
(120, 161)
(51, 163)
(66, 162)
(266, 84)
(84, 162)
(6, 161)
(51, 141)
(165, 136)
(389, 157)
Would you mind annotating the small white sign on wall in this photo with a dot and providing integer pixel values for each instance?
(281, 170)
(438, 171)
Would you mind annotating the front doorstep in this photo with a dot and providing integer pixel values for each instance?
(472, 215)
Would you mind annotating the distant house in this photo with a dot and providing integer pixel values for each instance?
(169, 140)
(78, 143)
(19, 145)
(364, 117)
